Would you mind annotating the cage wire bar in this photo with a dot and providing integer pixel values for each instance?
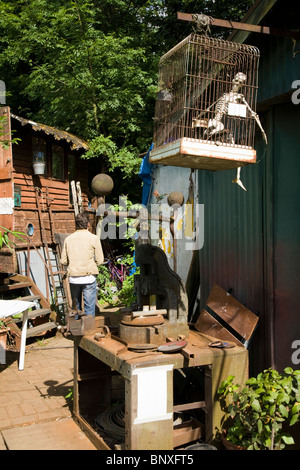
(207, 92)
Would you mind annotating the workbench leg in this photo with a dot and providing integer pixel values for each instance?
(23, 340)
(208, 403)
(75, 382)
(223, 366)
(149, 409)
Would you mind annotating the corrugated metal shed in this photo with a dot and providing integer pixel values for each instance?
(233, 251)
(252, 238)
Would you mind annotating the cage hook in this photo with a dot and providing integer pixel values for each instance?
(201, 23)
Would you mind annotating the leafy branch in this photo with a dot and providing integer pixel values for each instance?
(5, 140)
(4, 237)
(257, 414)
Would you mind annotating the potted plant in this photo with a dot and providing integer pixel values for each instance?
(258, 414)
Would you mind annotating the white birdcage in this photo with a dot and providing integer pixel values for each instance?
(205, 108)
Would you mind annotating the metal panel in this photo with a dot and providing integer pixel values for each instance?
(286, 232)
(165, 181)
(252, 239)
(39, 273)
(232, 254)
(279, 67)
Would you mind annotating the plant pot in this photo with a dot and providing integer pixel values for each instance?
(230, 445)
(39, 168)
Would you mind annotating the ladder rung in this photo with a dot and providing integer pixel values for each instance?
(36, 330)
(15, 285)
(38, 312)
(30, 298)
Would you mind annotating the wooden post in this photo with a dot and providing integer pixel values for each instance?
(74, 195)
(253, 28)
(23, 339)
(79, 198)
(44, 241)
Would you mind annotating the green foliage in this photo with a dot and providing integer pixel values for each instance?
(257, 412)
(90, 67)
(127, 225)
(125, 158)
(107, 293)
(5, 240)
(5, 140)
(3, 326)
(110, 293)
(82, 66)
(126, 294)
(70, 394)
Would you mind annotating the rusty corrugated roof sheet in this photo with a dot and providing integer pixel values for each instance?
(75, 142)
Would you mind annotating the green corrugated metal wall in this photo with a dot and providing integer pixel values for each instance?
(252, 238)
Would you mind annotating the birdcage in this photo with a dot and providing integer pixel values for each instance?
(205, 108)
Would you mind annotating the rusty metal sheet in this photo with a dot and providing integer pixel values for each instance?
(225, 318)
(236, 315)
(208, 325)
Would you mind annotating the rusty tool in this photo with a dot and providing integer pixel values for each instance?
(172, 346)
(222, 344)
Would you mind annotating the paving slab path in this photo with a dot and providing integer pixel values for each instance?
(33, 402)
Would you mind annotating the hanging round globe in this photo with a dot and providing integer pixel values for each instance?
(102, 184)
(176, 197)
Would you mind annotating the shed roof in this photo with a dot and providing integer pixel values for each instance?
(254, 15)
(75, 142)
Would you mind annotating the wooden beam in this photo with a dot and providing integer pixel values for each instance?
(245, 26)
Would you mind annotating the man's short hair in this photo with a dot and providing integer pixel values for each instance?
(82, 220)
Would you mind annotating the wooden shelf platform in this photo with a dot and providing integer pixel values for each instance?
(199, 154)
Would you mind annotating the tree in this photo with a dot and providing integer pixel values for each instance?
(90, 66)
(80, 68)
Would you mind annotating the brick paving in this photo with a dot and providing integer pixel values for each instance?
(38, 393)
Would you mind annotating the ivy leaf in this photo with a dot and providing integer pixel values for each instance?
(259, 426)
(256, 405)
(283, 410)
(294, 419)
(287, 439)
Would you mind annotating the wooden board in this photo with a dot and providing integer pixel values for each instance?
(194, 153)
(208, 325)
(55, 435)
(226, 318)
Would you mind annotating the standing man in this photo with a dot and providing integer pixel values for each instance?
(82, 253)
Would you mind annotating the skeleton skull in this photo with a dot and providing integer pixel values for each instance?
(239, 79)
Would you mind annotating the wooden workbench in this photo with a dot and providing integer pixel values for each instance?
(148, 388)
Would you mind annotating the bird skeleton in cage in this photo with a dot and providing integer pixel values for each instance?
(223, 107)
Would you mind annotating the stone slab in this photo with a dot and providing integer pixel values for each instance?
(62, 434)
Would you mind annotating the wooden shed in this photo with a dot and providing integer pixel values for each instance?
(41, 206)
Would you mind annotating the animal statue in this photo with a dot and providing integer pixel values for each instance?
(201, 23)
